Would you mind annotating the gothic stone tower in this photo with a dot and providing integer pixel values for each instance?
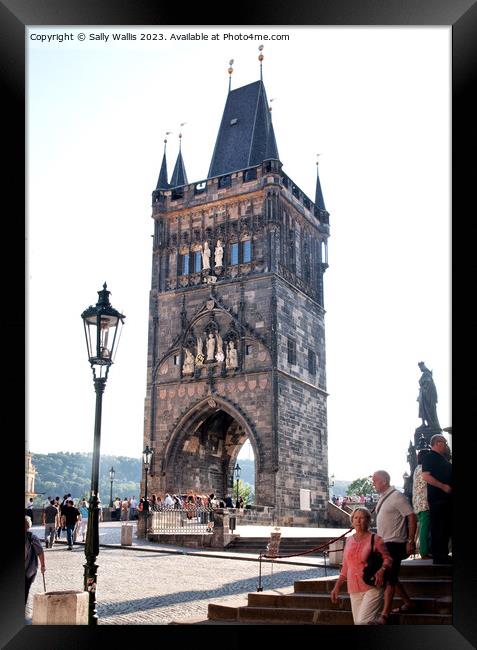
(236, 345)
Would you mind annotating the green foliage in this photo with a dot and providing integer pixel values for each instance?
(361, 487)
(245, 490)
(63, 472)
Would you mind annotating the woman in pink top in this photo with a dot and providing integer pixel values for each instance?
(366, 601)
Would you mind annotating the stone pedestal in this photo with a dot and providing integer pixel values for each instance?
(221, 535)
(126, 535)
(335, 553)
(141, 525)
(61, 608)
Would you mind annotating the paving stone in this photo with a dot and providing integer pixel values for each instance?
(146, 587)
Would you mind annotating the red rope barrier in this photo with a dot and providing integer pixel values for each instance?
(312, 550)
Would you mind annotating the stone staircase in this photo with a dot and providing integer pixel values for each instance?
(308, 602)
(288, 545)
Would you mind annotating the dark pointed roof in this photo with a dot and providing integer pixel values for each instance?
(179, 176)
(246, 135)
(162, 183)
(319, 200)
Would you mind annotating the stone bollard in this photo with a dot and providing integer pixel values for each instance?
(141, 525)
(60, 608)
(335, 553)
(126, 535)
(221, 524)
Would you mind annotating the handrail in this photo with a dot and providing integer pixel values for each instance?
(277, 557)
(313, 550)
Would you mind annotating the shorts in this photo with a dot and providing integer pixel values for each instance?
(397, 550)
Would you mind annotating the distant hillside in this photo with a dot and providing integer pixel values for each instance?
(339, 488)
(247, 475)
(63, 472)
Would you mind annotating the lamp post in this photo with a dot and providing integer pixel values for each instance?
(146, 459)
(102, 327)
(111, 478)
(237, 470)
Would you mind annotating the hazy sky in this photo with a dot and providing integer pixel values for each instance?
(374, 102)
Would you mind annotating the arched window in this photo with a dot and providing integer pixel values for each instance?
(234, 251)
(324, 252)
(197, 262)
(246, 251)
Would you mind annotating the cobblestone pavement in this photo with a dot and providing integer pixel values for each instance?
(146, 587)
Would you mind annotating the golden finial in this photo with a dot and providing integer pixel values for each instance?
(260, 58)
(271, 100)
(230, 70)
(167, 133)
(180, 132)
(317, 161)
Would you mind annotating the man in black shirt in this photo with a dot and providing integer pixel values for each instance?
(71, 516)
(437, 472)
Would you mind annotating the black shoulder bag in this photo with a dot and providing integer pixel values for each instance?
(374, 563)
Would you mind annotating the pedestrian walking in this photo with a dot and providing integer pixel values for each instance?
(396, 523)
(51, 522)
(70, 518)
(366, 600)
(33, 554)
(83, 524)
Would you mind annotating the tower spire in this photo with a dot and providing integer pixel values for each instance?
(319, 201)
(260, 58)
(230, 70)
(179, 176)
(162, 183)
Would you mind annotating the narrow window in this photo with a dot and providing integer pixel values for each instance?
(234, 254)
(185, 264)
(311, 362)
(197, 262)
(291, 351)
(248, 350)
(246, 251)
(176, 359)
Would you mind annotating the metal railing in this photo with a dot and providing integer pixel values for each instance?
(197, 520)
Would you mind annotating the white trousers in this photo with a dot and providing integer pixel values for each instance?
(366, 605)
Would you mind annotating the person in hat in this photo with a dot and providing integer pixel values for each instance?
(33, 553)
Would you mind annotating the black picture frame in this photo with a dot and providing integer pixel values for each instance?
(14, 16)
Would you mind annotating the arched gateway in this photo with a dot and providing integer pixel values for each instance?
(236, 345)
(204, 445)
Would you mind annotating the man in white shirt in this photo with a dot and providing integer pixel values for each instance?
(396, 523)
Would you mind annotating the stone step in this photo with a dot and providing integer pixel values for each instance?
(425, 569)
(419, 587)
(426, 605)
(312, 616)
(283, 615)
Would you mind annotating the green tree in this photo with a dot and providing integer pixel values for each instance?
(360, 487)
(245, 491)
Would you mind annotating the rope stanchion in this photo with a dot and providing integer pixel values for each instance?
(313, 550)
(260, 588)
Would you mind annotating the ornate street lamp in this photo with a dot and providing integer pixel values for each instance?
(237, 470)
(146, 459)
(102, 327)
(111, 478)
